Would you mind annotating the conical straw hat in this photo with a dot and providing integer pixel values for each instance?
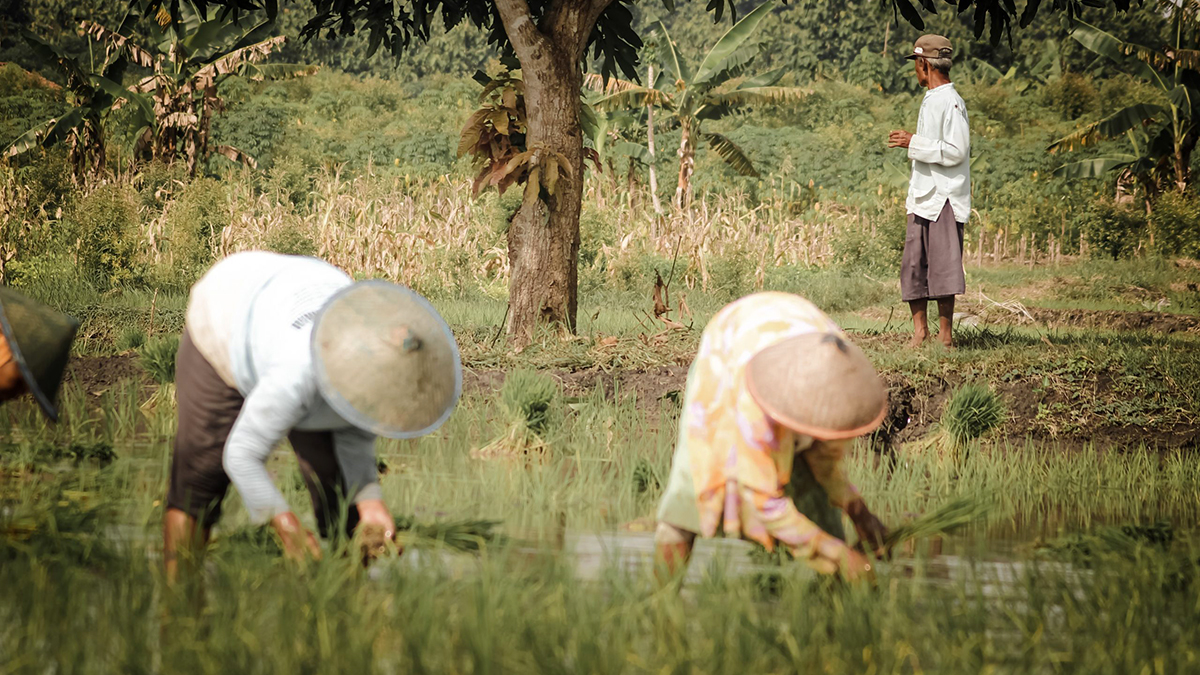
(818, 384)
(386, 361)
(40, 339)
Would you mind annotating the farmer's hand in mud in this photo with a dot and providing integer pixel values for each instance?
(899, 139)
(376, 530)
(871, 531)
(298, 543)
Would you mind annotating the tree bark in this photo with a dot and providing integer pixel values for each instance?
(543, 238)
(658, 210)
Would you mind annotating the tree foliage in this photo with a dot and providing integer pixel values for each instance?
(693, 95)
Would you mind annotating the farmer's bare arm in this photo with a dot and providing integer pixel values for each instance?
(826, 461)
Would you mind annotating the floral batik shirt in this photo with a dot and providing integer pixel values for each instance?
(732, 462)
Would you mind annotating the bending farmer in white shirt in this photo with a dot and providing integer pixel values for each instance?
(281, 346)
(939, 193)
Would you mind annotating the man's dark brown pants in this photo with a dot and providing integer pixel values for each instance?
(208, 408)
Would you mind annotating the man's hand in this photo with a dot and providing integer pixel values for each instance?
(899, 139)
(871, 532)
(298, 543)
(376, 530)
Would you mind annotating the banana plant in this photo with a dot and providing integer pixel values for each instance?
(692, 97)
(1162, 132)
(173, 107)
(81, 128)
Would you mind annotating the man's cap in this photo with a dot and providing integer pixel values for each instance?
(932, 47)
(818, 384)
(385, 360)
(40, 339)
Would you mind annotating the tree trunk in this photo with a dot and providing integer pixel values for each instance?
(687, 166)
(650, 145)
(543, 240)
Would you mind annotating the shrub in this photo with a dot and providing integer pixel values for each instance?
(290, 241)
(1071, 95)
(158, 358)
(860, 247)
(1175, 225)
(192, 224)
(1114, 230)
(106, 223)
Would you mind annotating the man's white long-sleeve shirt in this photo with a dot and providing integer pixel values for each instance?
(940, 151)
(251, 317)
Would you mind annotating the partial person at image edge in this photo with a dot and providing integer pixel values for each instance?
(939, 192)
(35, 345)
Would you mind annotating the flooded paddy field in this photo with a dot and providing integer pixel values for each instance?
(1087, 559)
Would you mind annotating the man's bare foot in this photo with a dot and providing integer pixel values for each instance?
(918, 339)
(947, 340)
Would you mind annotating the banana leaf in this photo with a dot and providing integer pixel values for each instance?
(731, 42)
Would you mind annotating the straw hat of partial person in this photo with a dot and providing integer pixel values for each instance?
(819, 385)
(386, 360)
(39, 339)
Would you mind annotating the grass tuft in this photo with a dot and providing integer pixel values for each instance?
(158, 358)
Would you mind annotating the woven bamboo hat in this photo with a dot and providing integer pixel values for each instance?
(386, 361)
(818, 384)
(40, 339)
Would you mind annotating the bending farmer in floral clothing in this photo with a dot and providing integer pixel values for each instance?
(774, 398)
(281, 346)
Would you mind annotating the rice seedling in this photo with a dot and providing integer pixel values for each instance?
(531, 402)
(158, 358)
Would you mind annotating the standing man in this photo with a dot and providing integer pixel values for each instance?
(279, 346)
(939, 193)
(35, 343)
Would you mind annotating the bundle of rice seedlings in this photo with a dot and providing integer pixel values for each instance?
(972, 411)
(458, 535)
(531, 402)
(158, 358)
(952, 515)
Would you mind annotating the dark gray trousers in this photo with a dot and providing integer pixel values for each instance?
(932, 266)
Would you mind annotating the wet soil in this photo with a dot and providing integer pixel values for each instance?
(97, 374)
(914, 406)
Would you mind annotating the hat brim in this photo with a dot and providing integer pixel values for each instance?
(48, 407)
(347, 410)
(816, 432)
